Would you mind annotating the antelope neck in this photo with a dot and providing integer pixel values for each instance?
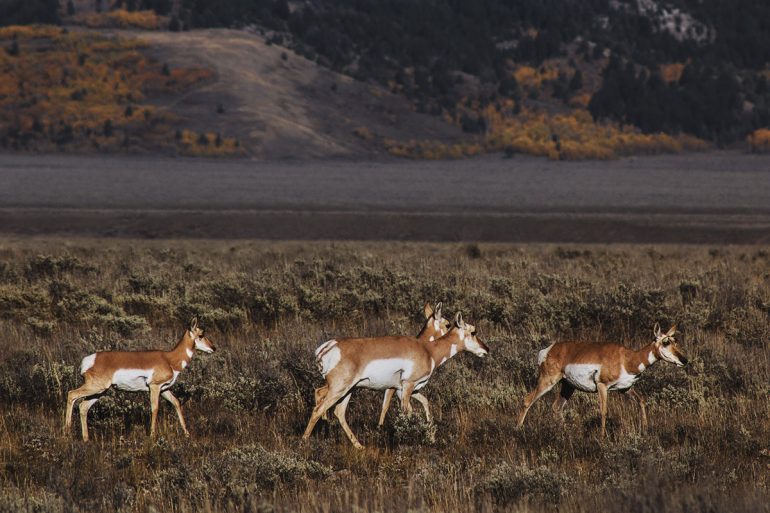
(445, 347)
(642, 358)
(182, 353)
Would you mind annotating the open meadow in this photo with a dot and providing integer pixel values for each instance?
(267, 305)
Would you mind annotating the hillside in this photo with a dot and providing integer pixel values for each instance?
(281, 105)
(444, 78)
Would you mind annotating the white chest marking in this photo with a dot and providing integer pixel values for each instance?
(651, 358)
(432, 338)
(189, 353)
(625, 380)
(132, 380)
(87, 363)
(453, 350)
(641, 367)
(168, 384)
(386, 373)
(583, 376)
(184, 364)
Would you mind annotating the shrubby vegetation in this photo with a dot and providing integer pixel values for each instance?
(267, 305)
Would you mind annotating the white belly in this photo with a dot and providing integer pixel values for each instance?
(583, 376)
(624, 381)
(132, 380)
(386, 373)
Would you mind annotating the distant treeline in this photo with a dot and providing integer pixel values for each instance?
(425, 47)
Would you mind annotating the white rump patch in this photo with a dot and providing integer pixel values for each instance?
(328, 355)
(543, 354)
(386, 373)
(583, 376)
(132, 380)
(87, 363)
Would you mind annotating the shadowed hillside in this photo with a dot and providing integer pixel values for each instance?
(282, 105)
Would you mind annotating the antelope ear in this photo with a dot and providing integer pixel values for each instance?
(459, 320)
(437, 310)
(671, 331)
(656, 330)
(194, 324)
(427, 310)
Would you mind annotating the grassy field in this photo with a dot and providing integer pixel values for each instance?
(268, 305)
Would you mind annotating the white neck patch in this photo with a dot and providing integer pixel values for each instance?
(453, 350)
(651, 358)
(189, 353)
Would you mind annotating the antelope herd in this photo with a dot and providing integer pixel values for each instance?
(400, 365)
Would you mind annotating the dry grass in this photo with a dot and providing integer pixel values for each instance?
(267, 305)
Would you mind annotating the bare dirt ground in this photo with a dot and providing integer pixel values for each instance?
(281, 105)
(715, 198)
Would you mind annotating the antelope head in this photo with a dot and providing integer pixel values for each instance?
(665, 346)
(196, 334)
(434, 320)
(469, 340)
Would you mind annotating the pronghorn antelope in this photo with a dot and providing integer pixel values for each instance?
(435, 327)
(599, 368)
(401, 363)
(136, 371)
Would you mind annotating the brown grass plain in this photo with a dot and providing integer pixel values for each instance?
(268, 304)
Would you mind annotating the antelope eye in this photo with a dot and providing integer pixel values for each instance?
(666, 342)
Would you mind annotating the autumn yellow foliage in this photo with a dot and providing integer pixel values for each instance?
(84, 91)
(570, 136)
(208, 144)
(670, 73)
(759, 140)
(533, 78)
(120, 18)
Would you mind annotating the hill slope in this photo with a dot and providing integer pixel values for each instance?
(282, 105)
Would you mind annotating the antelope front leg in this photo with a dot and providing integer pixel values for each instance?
(168, 396)
(602, 389)
(154, 400)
